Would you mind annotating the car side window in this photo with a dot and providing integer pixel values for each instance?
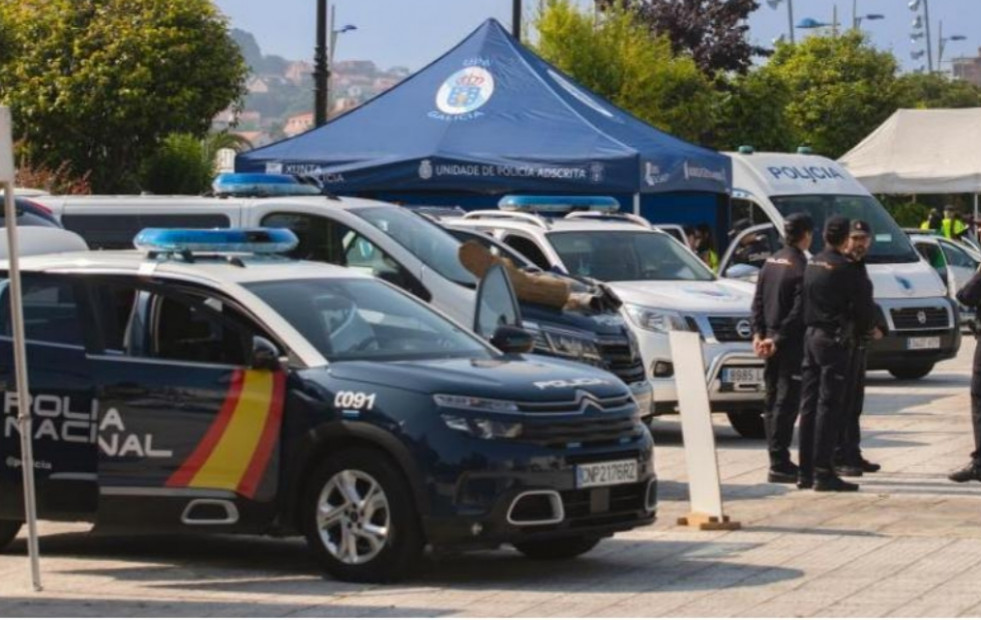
(51, 310)
(179, 326)
(319, 237)
(958, 257)
(529, 249)
(365, 256)
(933, 255)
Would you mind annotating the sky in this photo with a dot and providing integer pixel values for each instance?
(413, 33)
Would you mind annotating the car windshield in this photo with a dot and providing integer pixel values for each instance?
(436, 248)
(363, 319)
(889, 243)
(612, 256)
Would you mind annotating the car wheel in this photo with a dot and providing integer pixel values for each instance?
(8, 532)
(911, 372)
(557, 548)
(749, 424)
(359, 518)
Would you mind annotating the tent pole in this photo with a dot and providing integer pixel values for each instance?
(975, 208)
(637, 203)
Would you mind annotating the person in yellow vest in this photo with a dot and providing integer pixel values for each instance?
(952, 227)
(706, 246)
(933, 221)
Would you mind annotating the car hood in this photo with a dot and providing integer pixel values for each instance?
(905, 281)
(721, 295)
(526, 378)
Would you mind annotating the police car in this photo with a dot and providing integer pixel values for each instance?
(663, 285)
(207, 384)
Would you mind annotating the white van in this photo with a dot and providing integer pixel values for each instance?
(911, 298)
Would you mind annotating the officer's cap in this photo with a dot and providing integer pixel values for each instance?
(859, 228)
(797, 224)
(836, 230)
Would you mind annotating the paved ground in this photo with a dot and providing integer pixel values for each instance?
(908, 544)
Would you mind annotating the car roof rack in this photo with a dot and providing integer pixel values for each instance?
(519, 216)
(599, 215)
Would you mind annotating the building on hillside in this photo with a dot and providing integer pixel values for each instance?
(359, 67)
(298, 123)
(968, 68)
(257, 85)
(299, 71)
(255, 138)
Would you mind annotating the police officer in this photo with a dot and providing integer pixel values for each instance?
(848, 459)
(778, 337)
(833, 299)
(970, 296)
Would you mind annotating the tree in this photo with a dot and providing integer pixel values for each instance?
(712, 31)
(932, 90)
(618, 58)
(841, 89)
(753, 111)
(99, 83)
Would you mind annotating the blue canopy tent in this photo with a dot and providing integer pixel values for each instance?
(490, 118)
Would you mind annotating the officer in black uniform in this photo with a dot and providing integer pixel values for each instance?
(778, 337)
(970, 296)
(833, 298)
(849, 461)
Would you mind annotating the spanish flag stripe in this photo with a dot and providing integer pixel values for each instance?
(185, 473)
(230, 458)
(270, 434)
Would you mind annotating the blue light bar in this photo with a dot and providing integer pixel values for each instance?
(261, 184)
(216, 241)
(559, 204)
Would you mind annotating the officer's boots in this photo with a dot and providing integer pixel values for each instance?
(829, 481)
(971, 472)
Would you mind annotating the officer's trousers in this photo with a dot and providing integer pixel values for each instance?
(976, 404)
(850, 438)
(823, 382)
(783, 384)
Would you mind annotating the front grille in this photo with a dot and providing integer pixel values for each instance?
(727, 328)
(590, 432)
(619, 357)
(910, 318)
(623, 498)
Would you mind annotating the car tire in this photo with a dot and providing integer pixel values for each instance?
(557, 548)
(8, 532)
(748, 424)
(361, 487)
(911, 372)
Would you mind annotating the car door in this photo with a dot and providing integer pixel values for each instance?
(185, 415)
(748, 252)
(934, 255)
(64, 408)
(960, 264)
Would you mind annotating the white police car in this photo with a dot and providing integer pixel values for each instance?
(205, 384)
(663, 285)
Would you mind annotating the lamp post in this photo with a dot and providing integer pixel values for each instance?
(943, 43)
(857, 19)
(516, 19)
(324, 59)
(922, 22)
(790, 15)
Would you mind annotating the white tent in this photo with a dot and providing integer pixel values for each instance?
(921, 152)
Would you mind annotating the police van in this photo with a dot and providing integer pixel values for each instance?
(922, 322)
(663, 285)
(206, 384)
(385, 240)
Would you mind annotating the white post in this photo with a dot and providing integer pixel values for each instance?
(20, 353)
(975, 209)
(637, 203)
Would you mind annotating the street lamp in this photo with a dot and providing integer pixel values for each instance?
(857, 19)
(790, 15)
(943, 44)
(323, 59)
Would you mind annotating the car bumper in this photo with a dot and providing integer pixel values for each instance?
(723, 395)
(538, 499)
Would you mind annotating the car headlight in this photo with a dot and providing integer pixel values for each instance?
(475, 403)
(563, 344)
(482, 428)
(655, 320)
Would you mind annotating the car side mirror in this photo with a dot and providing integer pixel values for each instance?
(265, 354)
(511, 339)
(742, 271)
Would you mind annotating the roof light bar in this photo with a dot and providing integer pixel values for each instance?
(216, 241)
(559, 204)
(261, 184)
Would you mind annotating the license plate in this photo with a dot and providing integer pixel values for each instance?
(927, 342)
(742, 375)
(606, 474)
